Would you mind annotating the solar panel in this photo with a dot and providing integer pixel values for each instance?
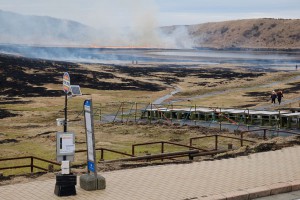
(75, 90)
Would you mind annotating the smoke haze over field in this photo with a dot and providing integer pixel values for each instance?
(128, 22)
(140, 23)
(119, 23)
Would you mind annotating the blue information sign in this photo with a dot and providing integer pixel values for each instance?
(87, 103)
(91, 166)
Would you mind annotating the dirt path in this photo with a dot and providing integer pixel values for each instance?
(166, 97)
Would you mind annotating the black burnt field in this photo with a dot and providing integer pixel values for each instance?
(25, 77)
(22, 77)
(5, 113)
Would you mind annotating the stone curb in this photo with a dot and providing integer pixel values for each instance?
(257, 192)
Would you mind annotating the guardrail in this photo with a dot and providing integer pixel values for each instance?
(31, 165)
(265, 130)
(102, 150)
(163, 146)
(220, 136)
(158, 156)
(191, 152)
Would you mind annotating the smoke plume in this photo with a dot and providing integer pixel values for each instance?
(118, 23)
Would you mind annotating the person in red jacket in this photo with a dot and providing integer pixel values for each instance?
(279, 96)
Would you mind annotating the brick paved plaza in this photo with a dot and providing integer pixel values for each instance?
(244, 177)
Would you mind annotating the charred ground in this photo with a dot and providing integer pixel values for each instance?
(25, 77)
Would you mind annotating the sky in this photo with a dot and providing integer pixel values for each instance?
(99, 13)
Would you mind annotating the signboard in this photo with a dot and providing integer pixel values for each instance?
(66, 83)
(90, 137)
(75, 90)
(91, 166)
(67, 143)
(65, 146)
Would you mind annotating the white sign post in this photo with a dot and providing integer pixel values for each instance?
(90, 137)
(88, 181)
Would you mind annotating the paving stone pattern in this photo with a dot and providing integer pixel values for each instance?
(252, 176)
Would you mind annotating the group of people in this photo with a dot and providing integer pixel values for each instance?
(276, 95)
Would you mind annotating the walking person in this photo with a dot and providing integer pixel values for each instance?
(279, 96)
(273, 96)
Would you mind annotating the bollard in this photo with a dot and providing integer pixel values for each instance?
(50, 168)
(265, 134)
(216, 142)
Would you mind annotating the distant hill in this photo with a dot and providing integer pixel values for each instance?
(27, 29)
(249, 33)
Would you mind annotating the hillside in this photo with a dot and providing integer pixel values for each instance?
(26, 29)
(249, 33)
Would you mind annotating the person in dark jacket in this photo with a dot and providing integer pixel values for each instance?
(273, 96)
(279, 96)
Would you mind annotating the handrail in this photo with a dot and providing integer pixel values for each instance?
(156, 156)
(182, 145)
(15, 167)
(283, 131)
(105, 149)
(114, 151)
(162, 146)
(265, 132)
(132, 156)
(237, 138)
(31, 165)
(249, 131)
(23, 157)
(48, 161)
(224, 136)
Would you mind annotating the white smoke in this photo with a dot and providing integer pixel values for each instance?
(116, 23)
(128, 23)
(178, 38)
